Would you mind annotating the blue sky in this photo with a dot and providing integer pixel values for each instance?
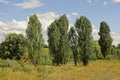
(14, 14)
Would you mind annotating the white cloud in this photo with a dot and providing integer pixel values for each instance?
(28, 4)
(4, 1)
(95, 32)
(46, 19)
(116, 0)
(105, 3)
(19, 26)
(90, 1)
(74, 14)
(11, 27)
(115, 36)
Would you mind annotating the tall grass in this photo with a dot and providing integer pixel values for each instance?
(96, 70)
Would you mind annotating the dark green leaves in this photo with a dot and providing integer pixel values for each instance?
(73, 38)
(14, 46)
(105, 40)
(58, 40)
(84, 31)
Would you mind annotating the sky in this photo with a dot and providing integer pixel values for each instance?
(14, 14)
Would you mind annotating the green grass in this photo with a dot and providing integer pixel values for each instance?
(96, 70)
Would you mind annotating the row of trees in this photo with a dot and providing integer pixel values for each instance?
(61, 41)
(79, 37)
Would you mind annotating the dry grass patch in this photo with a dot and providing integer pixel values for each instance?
(96, 70)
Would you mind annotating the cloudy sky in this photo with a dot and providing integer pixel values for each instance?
(14, 14)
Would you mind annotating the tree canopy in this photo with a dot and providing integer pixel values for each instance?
(84, 31)
(73, 38)
(13, 47)
(34, 39)
(105, 40)
(58, 40)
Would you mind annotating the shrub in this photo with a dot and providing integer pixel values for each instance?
(25, 69)
(117, 55)
(11, 64)
(93, 56)
(45, 59)
(13, 46)
(110, 57)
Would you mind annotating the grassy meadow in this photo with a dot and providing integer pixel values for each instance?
(96, 70)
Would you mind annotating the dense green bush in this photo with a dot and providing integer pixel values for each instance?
(110, 57)
(45, 59)
(117, 55)
(9, 63)
(13, 64)
(93, 56)
(13, 47)
(96, 53)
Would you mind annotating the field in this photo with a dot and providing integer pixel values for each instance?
(96, 70)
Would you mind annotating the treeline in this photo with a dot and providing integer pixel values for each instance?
(64, 44)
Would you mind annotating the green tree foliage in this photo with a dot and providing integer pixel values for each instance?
(64, 40)
(53, 41)
(116, 50)
(96, 52)
(34, 39)
(58, 40)
(84, 31)
(13, 47)
(113, 50)
(73, 38)
(105, 40)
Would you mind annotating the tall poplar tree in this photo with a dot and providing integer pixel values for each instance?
(53, 41)
(64, 39)
(34, 39)
(84, 30)
(58, 40)
(73, 38)
(105, 40)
